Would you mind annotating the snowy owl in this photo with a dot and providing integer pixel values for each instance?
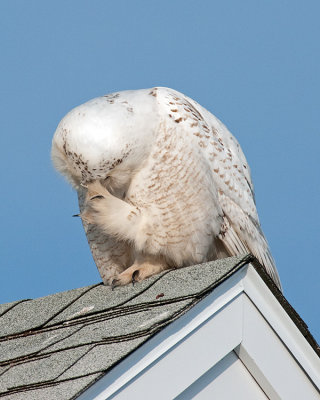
(161, 184)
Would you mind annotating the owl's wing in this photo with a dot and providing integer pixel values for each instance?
(241, 231)
(110, 255)
(241, 228)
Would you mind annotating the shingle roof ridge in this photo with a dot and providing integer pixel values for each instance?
(120, 309)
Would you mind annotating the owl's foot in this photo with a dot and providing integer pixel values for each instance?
(95, 192)
(112, 215)
(138, 272)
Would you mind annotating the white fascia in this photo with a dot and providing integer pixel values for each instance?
(266, 305)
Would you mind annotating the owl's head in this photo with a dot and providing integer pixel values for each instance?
(105, 134)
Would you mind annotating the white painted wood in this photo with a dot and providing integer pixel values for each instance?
(252, 367)
(265, 355)
(228, 379)
(190, 358)
(281, 323)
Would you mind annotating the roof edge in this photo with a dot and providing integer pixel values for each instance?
(292, 313)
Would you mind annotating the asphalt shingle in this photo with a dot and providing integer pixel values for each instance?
(102, 298)
(35, 313)
(26, 345)
(101, 357)
(66, 390)
(46, 368)
(7, 306)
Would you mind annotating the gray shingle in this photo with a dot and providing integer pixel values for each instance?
(47, 368)
(34, 313)
(102, 357)
(62, 391)
(112, 328)
(102, 298)
(32, 344)
(7, 306)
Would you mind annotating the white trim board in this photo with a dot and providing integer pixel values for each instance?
(241, 314)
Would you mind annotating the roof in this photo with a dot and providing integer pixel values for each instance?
(57, 346)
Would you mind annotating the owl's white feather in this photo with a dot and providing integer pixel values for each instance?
(161, 183)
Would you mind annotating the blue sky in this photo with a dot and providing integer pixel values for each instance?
(254, 64)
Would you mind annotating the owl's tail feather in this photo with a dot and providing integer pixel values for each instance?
(236, 243)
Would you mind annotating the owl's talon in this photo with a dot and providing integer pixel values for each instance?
(134, 276)
(98, 196)
(114, 284)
